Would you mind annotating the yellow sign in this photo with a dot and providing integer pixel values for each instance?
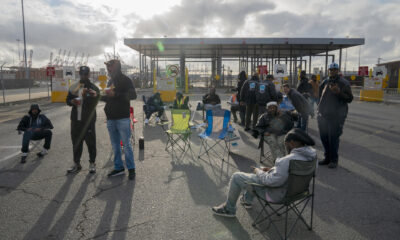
(353, 77)
(318, 77)
(102, 79)
(217, 77)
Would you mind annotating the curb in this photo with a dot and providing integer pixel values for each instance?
(23, 101)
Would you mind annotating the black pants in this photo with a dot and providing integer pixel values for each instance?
(83, 131)
(151, 109)
(234, 109)
(251, 110)
(262, 108)
(242, 114)
(330, 131)
(31, 135)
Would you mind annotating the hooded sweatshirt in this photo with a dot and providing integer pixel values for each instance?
(277, 176)
(35, 121)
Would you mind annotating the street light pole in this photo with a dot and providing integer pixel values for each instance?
(25, 57)
(2, 82)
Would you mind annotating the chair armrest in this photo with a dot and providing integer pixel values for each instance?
(164, 123)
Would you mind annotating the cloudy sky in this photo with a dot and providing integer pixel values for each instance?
(94, 26)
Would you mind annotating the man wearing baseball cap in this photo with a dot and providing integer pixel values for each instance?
(298, 145)
(83, 97)
(334, 95)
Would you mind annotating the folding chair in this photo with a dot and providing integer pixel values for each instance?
(34, 144)
(179, 131)
(216, 133)
(296, 199)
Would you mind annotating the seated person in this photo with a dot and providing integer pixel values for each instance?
(298, 144)
(181, 102)
(211, 99)
(35, 126)
(272, 126)
(234, 106)
(154, 104)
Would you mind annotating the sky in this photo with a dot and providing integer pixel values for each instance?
(95, 26)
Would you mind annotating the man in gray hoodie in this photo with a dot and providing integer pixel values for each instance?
(298, 145)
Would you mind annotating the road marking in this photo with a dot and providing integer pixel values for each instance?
(9, 156)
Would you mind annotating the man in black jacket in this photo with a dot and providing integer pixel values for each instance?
(242, 107)
(35, 126)
(301, 105)
(83, 97)
(119, 92)
(265, 93)
(248, 97)
(334, 95)
(154, 104)
(304, 87)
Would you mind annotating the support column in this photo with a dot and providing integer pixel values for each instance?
(219, 68)
(309, 64)
(340, 59)
(326, 63)
(182, 68)
(213, 72)
(291, 60)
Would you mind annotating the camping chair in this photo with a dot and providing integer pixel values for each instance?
(217, 132)
(33, 144)
(265, 156)
(179, 131)
(296, 199)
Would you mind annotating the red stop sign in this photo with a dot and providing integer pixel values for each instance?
(50, 71)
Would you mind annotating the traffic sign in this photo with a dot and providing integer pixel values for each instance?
(50, 71)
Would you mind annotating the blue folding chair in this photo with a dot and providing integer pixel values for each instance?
(217, 133)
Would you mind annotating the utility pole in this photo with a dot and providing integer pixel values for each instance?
(19, 54)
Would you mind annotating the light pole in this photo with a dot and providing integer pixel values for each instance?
(2, 82)
(25, 57)
(19, 54)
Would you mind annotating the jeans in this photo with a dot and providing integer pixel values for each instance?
(234, 109)
(302, 122)
(312, 101)
(330, 131)
(31, 135)
(236, 185)
(120, 129)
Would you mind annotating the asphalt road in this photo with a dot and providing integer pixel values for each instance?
(171, 197)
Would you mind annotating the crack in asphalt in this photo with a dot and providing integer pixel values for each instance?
(79, 228)
(124, 229)
(11, 189)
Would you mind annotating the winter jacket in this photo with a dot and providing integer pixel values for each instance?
(89, 103)
(305, 88)
(155, 101)
(248, 91)
(277, 176)
(41, 121)
(117, 107)
(211, 99)
(300, 103)
(278, 125)
(333, 105)
(239, 87)
(183, 103)
(265, 93)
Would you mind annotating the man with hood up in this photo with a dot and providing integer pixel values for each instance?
(298, 145)
(181, 102)
(35, 126)
(83, 97)
(154, 104)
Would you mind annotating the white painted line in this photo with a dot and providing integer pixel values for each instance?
(10, 156)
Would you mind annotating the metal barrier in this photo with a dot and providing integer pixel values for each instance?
(390, 95)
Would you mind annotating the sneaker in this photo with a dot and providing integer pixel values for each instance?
(244, 203)
(332, 165)
(114, 173)
(146, 121)
(92, 167)
(323, 162)
(23, 158)
(42, 153)
(75, 169)
(132, 173)
(157, 119)
(222, 211)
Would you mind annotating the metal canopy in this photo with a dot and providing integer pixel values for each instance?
(238, 47)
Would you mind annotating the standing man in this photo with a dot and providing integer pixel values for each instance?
(265, 93)
(315, 93)
(248, 97)
(242, 107)
(83, 97)
(118, 95)
(35, 126)
(335, 93)
(301, 105)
